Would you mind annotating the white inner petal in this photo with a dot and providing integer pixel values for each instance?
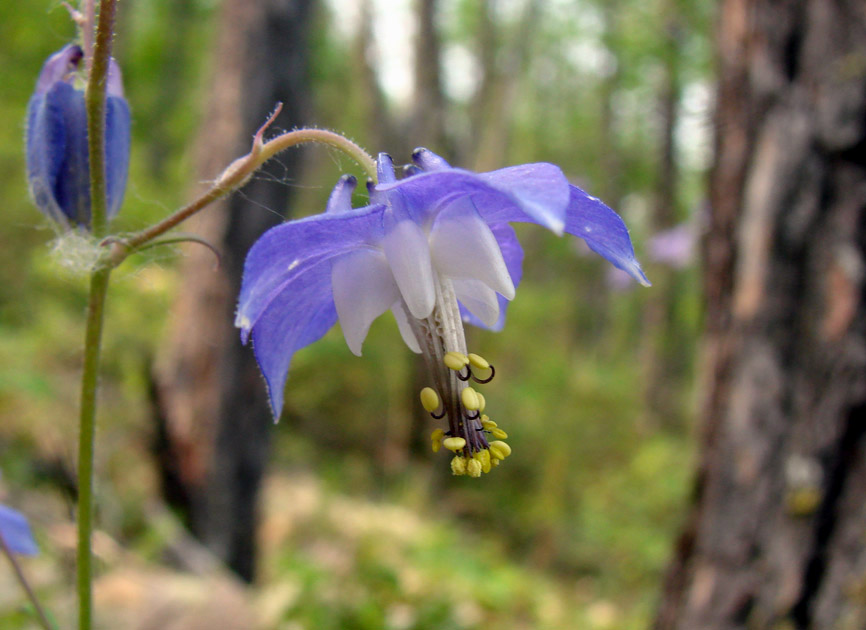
(480, 299)
(405, 327)
(408, 253)
(462, 246)
(363, 289)
(341, 196)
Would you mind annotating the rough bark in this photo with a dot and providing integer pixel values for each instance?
(774, 538)
(210, 403)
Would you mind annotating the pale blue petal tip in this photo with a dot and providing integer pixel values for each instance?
(16, 532)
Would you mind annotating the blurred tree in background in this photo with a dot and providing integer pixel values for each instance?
(210, 404)
(775, 535)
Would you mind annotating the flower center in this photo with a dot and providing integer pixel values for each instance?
(443, 345)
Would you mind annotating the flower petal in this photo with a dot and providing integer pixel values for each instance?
(341, 196)
(287, 251)
(364, 288)
(533, 193)
(512, 253)
(385, 169)
(478, 299)
(301, 313)
(16, 532)
(462, 246)
(57, 167)
(541, 190)
(429, 161)
(405, 327)
(408, 254)
(117, 125)
(59, 67)
(604, 232)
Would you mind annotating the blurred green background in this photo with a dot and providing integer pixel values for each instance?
(594, 381)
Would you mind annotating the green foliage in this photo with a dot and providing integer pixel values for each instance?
(573, 530)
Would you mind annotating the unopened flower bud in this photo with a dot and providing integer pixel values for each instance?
(58, 168)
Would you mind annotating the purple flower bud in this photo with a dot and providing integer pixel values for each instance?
(57, 161)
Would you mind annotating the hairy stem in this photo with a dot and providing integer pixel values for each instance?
(87, 429)
(22, 579)
(95, 103)
(95, 106)
(238, 173)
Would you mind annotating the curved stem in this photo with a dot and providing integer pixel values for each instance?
(321, 136)
(238, 173)
(31, 595)
(87, 429)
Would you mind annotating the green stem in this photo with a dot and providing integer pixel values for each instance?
(95, 103)
(87, 429)
(321, 136)
(95, 106)
(19, 574)
(238, 173)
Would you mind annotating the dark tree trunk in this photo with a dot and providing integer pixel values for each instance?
(211, 405)
(775, 538)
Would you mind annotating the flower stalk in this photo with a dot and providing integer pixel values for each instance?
(86, 438)
(238, 173)
(22, 580)
(95, 96)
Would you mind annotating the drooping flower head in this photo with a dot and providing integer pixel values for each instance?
(58, 169)
(436, 249)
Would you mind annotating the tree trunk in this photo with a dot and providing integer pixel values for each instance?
(775, 536)
(210, 402)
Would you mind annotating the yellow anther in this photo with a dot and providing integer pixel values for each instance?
(494, 462)
(482, 403)
(499, 434)
(429, 399)
(473, 468)
(469, 397)
(458, 465)
(436, 439)
(483, 456)
(499, 450)
(455, 360)
(454, 443)
(478, 361)
(487, 423)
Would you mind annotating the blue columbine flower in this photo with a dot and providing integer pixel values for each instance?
(435, 248)
(57, 161)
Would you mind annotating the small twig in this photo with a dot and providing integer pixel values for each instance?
(31, 595)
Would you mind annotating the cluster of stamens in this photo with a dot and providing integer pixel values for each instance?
(469, 427)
